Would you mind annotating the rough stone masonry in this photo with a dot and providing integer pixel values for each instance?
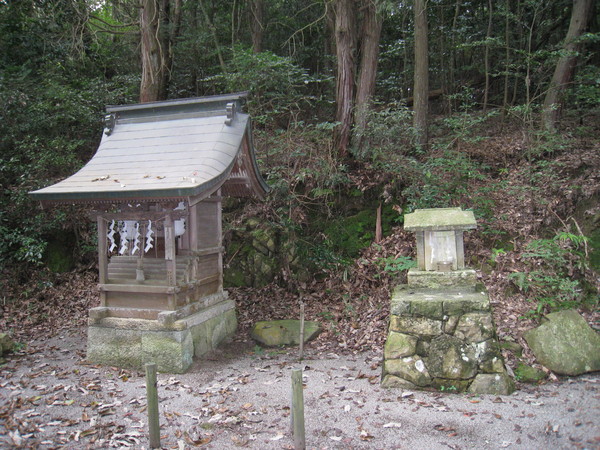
(441, 333)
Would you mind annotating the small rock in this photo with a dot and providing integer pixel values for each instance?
(528, 374)
(273, 333)
(513, 347)
(492, 383)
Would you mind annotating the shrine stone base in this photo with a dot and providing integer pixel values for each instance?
(444, 339)
(171, 342)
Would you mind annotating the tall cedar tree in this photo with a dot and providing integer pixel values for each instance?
(565, 67)
(421, 76)
(159, 27)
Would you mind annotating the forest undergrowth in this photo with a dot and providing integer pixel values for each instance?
(534, 199)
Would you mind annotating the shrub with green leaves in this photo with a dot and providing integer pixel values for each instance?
(280, 91)
(557, 267)
(396, 264)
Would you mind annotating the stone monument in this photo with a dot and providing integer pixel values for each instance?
(441, 333)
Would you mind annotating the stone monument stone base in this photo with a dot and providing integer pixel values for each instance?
(443, 338)
(171, 341)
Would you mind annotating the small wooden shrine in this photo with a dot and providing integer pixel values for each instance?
(156, 184)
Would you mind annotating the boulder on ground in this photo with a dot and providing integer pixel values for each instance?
(565, 344)
(6, 344)
(283, 332)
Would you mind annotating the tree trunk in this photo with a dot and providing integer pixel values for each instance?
(421, 82)
(486, 58)
(563, 74)
(506, 56)
(152, 87)
(213, 31)
(453, 55)
(257, 27)
(159, 27)
(371, 33)
(519, 45)
(345, 39)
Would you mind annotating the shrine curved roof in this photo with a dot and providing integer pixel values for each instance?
(172, 149)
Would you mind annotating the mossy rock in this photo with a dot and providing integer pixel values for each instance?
(565, 344)
(513, 347)
(273, 333)
(528, 374)
(493, 384)
(6, 344)
(451, 358)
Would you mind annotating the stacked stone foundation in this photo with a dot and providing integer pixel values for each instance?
(171, 341)
(443, 338)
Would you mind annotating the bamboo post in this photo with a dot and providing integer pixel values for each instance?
(301, 356)
(152, 401)
(298, 410)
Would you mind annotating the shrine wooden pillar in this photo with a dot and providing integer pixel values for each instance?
(102, 257)
(170, 259)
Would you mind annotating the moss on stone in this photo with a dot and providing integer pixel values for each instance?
(495, 384)
(392, 381)
(513, 347)
(528, 374)
(450, 358)
(416, 325)
(427, 308)
(475, 327)
(283, 332)
(411, 369)
(399, 345)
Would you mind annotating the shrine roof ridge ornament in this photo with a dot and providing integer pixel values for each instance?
(167, 150)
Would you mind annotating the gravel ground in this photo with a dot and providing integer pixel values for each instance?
(240, 397)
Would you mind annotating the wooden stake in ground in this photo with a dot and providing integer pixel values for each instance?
(301, 355)
(298, 410)
(378, 228)
(152, 401)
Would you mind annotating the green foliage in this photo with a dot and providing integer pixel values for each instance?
(279, 89)
(495, 253)
(348, 235)
(557, 265)
(441, 180)
(450, 388)
(394, 265)
(258, 350)
(55, 80)
(389, 133)
(463, 125)
(587, 88)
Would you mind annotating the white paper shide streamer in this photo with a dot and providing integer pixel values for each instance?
(123, 234)
(149, 238)
(136, 238)
(111, 236)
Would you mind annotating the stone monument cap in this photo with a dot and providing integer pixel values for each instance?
(439, 219)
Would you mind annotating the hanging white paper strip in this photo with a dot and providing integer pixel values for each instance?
(179, 227)
(124, 243)
(136, 238)
(111, 236)
(149, 238)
